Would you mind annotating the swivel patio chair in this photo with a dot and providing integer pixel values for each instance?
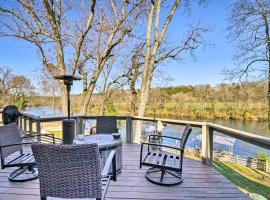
(72, 171)
(12, 154)
(165, 166)
(105, 125)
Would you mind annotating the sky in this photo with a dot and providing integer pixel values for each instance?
(210, 62)
(23, 59)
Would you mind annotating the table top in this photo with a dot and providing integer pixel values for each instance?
(104, 141)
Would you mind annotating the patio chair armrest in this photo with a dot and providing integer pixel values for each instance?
(26, 136)
(17, 144)
(111, 161)
(49, 135)
(45, 134)
(161, 145)
(164, 136)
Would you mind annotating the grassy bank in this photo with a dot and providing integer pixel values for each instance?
(227, 102)
(202, 110)
(247, 179)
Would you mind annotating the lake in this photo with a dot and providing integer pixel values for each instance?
(221, 142)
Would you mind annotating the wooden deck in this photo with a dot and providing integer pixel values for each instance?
(200, 182)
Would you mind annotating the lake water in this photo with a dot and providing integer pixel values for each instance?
(221, 142)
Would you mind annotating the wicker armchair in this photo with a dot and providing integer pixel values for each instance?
(105, 125)
(11, 142)
(165, 167)
(72, 171)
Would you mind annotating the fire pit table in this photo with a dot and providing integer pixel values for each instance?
(106, 143)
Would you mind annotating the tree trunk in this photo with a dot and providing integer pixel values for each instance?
(85, 74)
(86, 100)
(103, 103)
(88, 92)
(268, 89)
(53, 104)
(101, 109)
(133, 104)
(144, 95)
(267, 33)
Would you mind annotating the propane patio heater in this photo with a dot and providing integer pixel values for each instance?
(68, 125)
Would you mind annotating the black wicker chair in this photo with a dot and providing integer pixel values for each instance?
(105, 125)
(166, 167)
(11, 142)
(72, 171)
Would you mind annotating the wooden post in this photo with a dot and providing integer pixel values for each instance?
(207, 144)
(30, 126)
(20, 122)
(24, 124)
(129, 129)
(38, 130)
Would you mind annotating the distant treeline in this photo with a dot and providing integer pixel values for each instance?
(225, 101)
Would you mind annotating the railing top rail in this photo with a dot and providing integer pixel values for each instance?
(170, 121)
(29, 116)
(242, 135)
(50, 119)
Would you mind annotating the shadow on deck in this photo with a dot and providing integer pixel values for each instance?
(200, 182)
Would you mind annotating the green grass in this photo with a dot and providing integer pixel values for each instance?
(57, 134)
(247, 179)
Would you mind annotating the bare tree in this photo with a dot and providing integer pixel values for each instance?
(5, 82)
(47, 25)
(21, 90)
(134, 71)
(156, 52)
(48, 86)
(249, 29)
(115, 22)
(167, 51)
(110, 83)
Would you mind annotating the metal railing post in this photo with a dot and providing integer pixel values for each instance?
(207, 144)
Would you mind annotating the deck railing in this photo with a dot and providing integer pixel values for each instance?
(32, 124)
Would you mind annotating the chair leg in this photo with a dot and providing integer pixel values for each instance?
(157, 176)
(43, 198)
(15, 175)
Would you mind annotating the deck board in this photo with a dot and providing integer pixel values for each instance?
(200, 182)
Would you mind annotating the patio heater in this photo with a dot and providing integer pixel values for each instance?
(68, 125)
